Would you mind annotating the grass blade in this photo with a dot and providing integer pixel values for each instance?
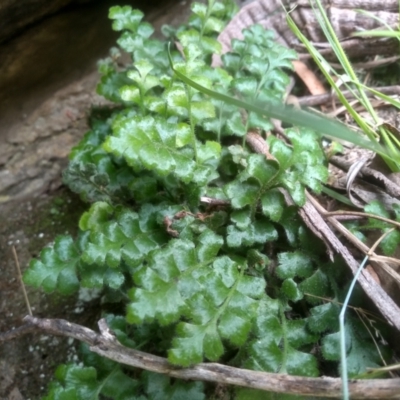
(309, 119)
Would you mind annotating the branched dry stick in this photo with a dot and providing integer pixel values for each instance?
(106, 345)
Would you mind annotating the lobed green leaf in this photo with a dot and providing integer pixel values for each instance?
(294, 264)
(57, 267)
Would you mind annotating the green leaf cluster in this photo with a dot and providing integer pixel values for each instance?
(102, 378)
(239, 281)
(112, 240)
(391, 237)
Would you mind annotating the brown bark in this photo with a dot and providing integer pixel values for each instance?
(342, 14)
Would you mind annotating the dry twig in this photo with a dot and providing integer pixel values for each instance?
(106, 345)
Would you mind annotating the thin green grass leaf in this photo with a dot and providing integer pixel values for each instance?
(342, 57)
(390, 154)
(337, 196)
(327, 70)
(390, 32)
(382, 96)
(309, 119)
(380, 33)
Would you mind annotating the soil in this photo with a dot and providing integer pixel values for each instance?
(27, 364)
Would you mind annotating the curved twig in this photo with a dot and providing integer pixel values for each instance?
(107, 346)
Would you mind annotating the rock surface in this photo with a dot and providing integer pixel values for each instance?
(47, 88)
(16, 14)
(37, 148)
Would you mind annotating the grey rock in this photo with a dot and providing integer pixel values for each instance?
(15, 15)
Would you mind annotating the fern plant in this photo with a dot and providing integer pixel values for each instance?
(188, 232)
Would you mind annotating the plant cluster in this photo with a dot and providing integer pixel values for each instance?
(188, 233)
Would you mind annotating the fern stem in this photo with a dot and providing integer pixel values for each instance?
(191, 122)
(284, 339)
